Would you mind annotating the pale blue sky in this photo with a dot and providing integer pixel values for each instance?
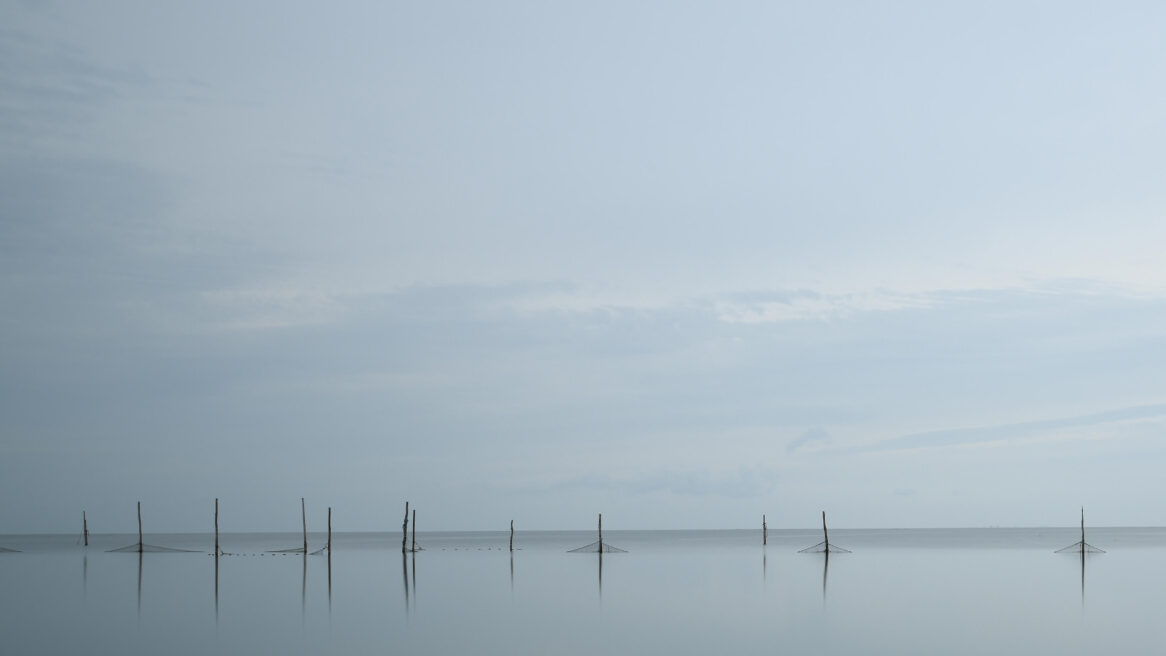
(681, 263)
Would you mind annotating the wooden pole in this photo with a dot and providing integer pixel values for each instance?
(139, 527)
(216, 529)
(601, 533)
(825, 535)
(1082, 529)
(512, 535)
(764, 531)
(304, 517)
(85, 527)
(405, 531)
(414, 549)
(329, 531)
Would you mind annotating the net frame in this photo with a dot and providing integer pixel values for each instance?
(1080, 546)
(599, 546)
(824, 546)
(139, 547)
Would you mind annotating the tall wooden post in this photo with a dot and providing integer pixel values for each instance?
(216, 528)
(512, 535)
(85, 527)
(1082, 529)
(764, 531)
(825, 535)
(414, 549)
(405, 530)
(139, 527)
(329, 531)
(601, 533)
(304, 517)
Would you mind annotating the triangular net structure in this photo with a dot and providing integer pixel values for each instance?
(139, 547)
(1080, 546)
(824, 546)
(599, 546)
(7, 550)
(294, 550)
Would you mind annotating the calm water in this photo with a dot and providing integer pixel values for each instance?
(970, 591)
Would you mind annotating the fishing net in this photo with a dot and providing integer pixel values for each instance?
(1080, 546)
(599, 546)
(824, 547)
(6, 550)
(149, 548)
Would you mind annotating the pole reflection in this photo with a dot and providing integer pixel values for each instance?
(405, 578)
(601, 575)
(825, 572)
(140, 554)
(216, 587)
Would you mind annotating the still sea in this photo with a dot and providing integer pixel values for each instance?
(907, 591)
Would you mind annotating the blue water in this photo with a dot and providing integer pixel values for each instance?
(952, 591)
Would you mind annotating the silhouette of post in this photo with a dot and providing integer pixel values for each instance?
(304, 517)
(405, 530)
(85, 528)
(825, 535)
(1082, 529)
(414, 548)
(601, 540)
(512, 535)
(139, 530)
(329, 533)
(764, 532)
(216, 537)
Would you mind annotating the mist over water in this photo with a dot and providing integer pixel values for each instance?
(952, 591)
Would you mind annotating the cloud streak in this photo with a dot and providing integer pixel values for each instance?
(1016, 431)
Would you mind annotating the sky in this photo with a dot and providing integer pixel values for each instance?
(681, 263)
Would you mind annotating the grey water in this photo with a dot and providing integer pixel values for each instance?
(910, 591)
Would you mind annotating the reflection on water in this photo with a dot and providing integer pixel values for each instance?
(674, 592)
(405, 577)
(140, 558)
(825, 572)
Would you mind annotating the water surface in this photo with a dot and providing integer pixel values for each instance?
(952, 591)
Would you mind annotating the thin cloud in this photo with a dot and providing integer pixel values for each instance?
(741, 483)
(1004, 432)
(812, 436)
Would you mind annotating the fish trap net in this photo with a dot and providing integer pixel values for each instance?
(599, 546)
(1080, 547)
(149, 548)
(824, 547)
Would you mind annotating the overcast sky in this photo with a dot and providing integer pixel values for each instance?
(680, 263)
